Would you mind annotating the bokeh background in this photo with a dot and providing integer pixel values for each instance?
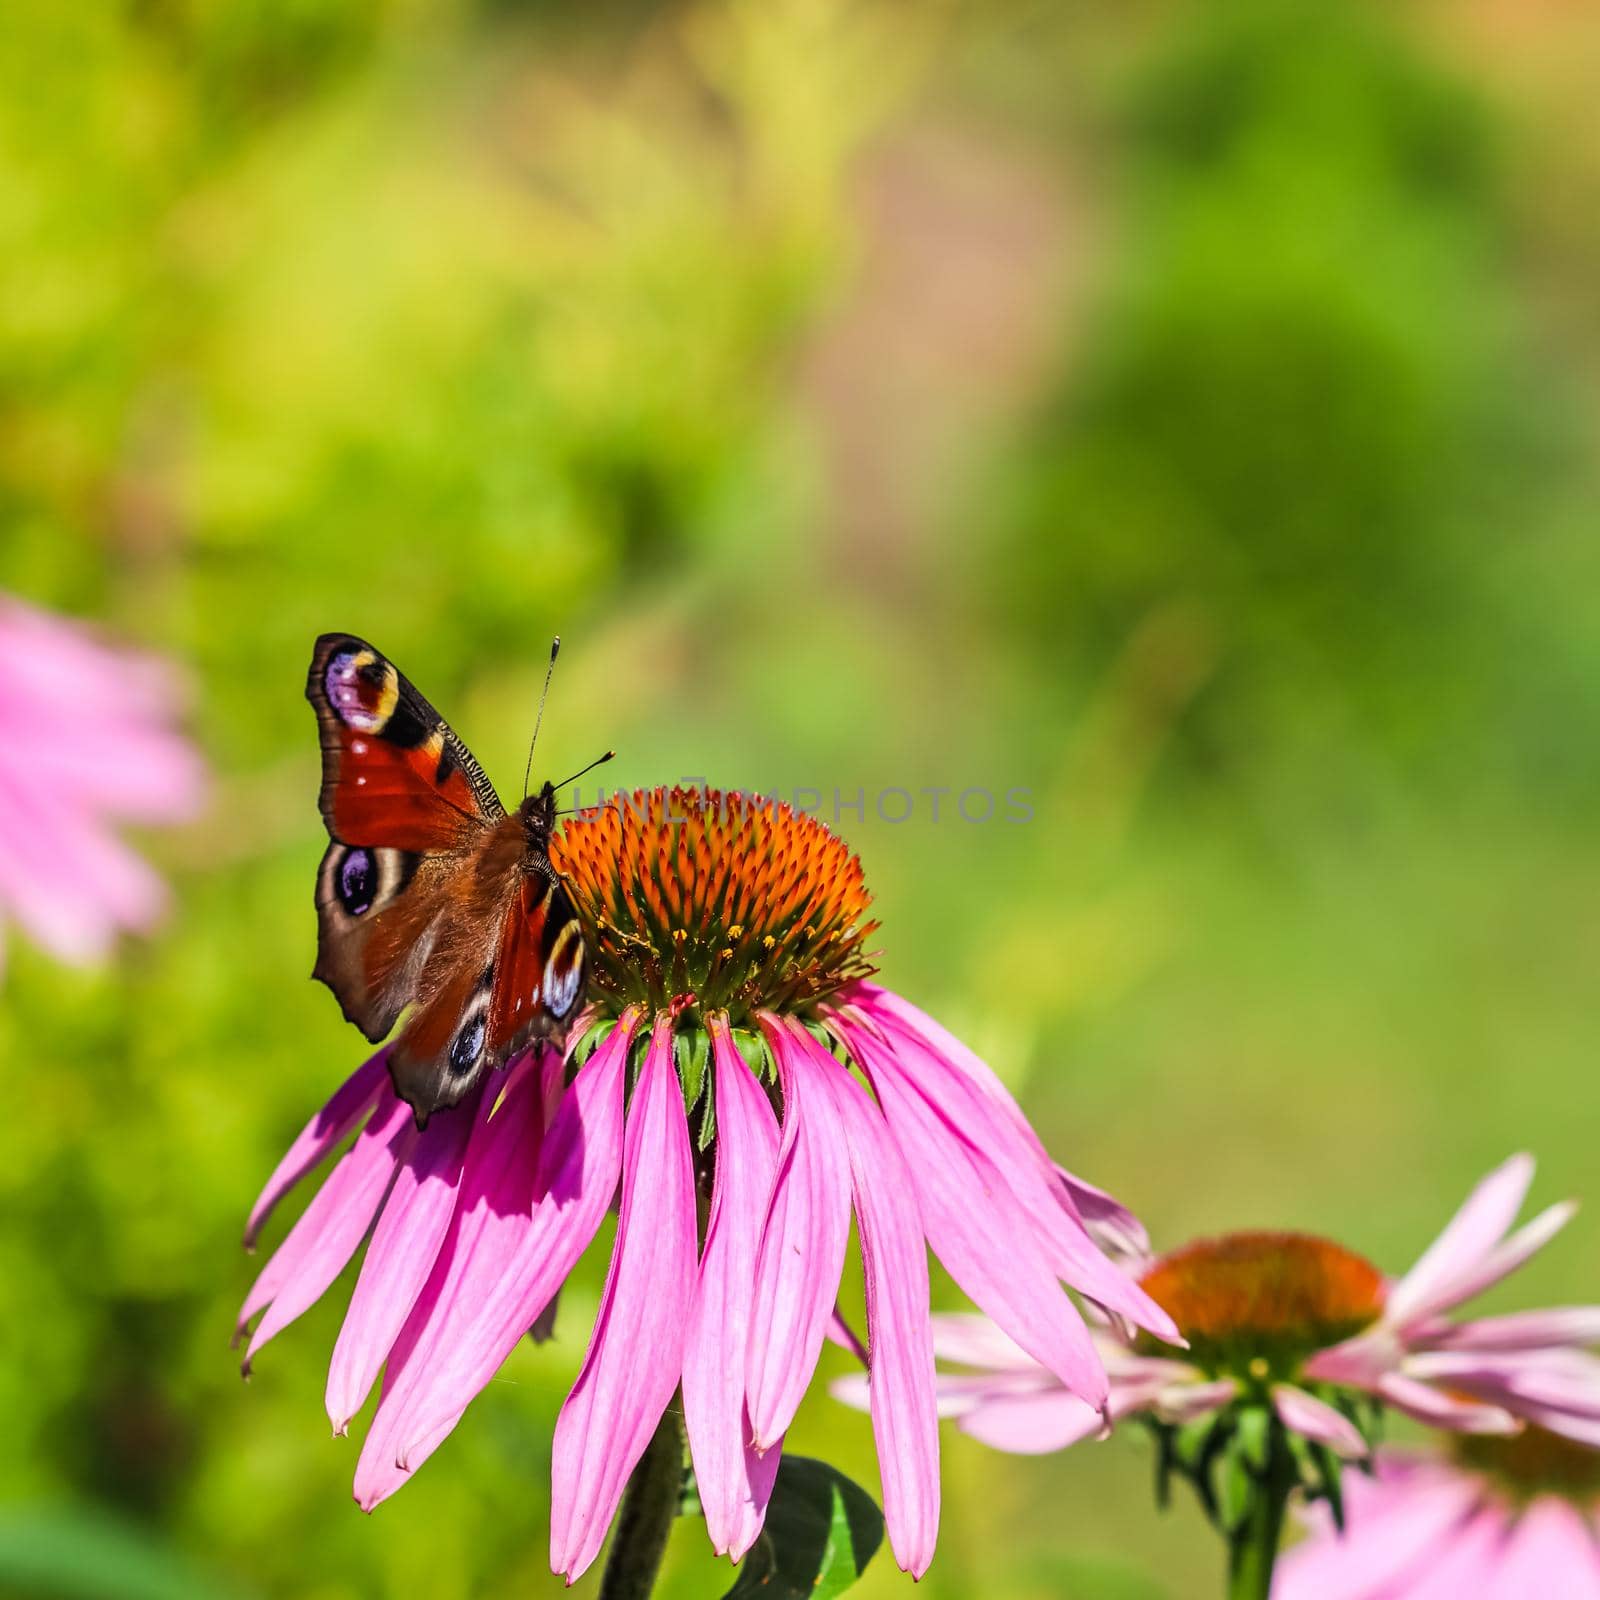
(1187, 412)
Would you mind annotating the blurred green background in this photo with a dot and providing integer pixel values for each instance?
(1185, 412)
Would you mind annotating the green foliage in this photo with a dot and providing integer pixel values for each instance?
(1265, 564)
(821, 1531)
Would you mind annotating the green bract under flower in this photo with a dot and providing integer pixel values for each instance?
(699, 899)
(1254, 1306)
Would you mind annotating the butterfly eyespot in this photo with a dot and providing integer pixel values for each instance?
(357, 882)
(468, 1045)
(362, 689)
(563, 972)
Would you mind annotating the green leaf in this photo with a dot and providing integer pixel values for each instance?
(821, 1531)
(1254, 1433)
(1238, 1488)
(692, 1051)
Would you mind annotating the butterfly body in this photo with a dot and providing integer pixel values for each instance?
(433, 901)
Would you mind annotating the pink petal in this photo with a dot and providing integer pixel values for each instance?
(899, 1336)
(350, 1103)
(635, 1356)
(1109, 1222)
(1566, 1380)
(1523, 1330)
(1304, 1414)
(1466, 1241)
(1177, 1402)
(734, 1482)
(1015, 1155)
(1441, 1410)
(1377, 1556)
(331, 1228)
(1036, 1425)
(975, 1341)
(405, 1244)
(492, 1214)
(1551, 1554)
(968, 1208)
(1504, 1259)
(842, 1334)
(519, 1266)
(802, 1244)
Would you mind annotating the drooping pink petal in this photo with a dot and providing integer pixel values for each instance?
(802, 1245)
(503, 1285)
(1315, 1419)
(405, 1244)
(350, 1103)
(332, 1226)
(635, 1356)
(1013, 1151)
(1466, 1241)
(1522, 1330)
(1441, 1410)
(1564, 1380)
(899, 1336)
(734, 1482)
(1110, 1223)
(975, 1341)
(967, 1208)
(1032, 1425)
(493, 1210)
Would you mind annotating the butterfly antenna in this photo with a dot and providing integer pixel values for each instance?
(527, 771)
(599, 761)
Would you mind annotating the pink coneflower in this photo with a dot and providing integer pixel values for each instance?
(87, 739)
(1314, 1330)
(1495, 1519)
(745, 1065)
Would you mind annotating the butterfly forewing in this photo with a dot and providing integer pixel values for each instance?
(431, 900)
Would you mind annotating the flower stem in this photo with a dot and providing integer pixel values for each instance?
(1253, 1549)
(649, 1507)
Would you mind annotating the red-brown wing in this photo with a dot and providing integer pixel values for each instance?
(393, 772)
(480, 1002)
(406, 808)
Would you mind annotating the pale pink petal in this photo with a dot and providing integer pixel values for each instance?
(522, 1260)
(1179, 1402)
(802, 1244)
(1441, 1410)
(1522, 1330)
(1382, 1548)
(1035, 1425)
(1304, 1414)
(635, 1356)
(1551, 1554)
(975, 1341)
(899, 1337)
(1468, 1563)
(492, 1214)
(1504, 1259)
(1466, 1241)
(1566, 1380)
(405, 1244)
(967, 1207)
(350, 1103)
(842, 1334)
(734, 1482)
(331, 1228)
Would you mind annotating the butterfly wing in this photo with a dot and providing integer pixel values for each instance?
(479, 1013)
(405, 805)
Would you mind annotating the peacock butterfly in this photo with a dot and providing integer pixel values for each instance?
(432, 899)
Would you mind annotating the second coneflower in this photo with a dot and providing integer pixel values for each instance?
(737, 1064)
